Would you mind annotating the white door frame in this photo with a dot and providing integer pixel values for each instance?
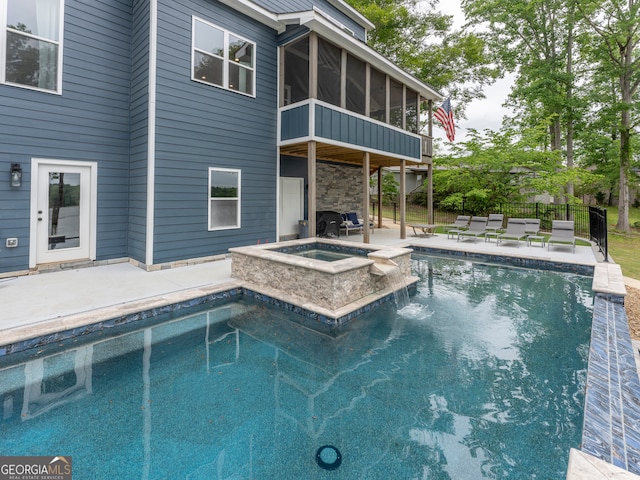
(36, 164)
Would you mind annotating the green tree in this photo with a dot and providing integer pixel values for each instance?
(611, 43)
(535, 39)
(505, 166)
(389, 186)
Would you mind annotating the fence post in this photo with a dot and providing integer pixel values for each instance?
(605, 237)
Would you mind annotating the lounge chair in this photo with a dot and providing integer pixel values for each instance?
(494, 225)
(533, 226)
(562, 232)
(533, 231)
(516, 231)
(477, 227)
(427, 229)
(495, 222)
(461, 223)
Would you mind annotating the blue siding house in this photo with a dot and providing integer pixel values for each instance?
(167, 131)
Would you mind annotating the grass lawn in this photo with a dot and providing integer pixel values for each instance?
(624, 248)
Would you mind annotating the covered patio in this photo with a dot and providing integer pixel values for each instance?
(370, 161)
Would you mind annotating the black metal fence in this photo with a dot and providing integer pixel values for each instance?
(589, 222)
(598, 229)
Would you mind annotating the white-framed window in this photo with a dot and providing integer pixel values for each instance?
(222, 58)
(224, 198)
(31, 43)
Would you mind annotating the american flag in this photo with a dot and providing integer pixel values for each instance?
(445, 115)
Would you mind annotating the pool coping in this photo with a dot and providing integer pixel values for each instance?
(612, 395)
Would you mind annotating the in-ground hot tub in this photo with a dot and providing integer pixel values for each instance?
(314, 274)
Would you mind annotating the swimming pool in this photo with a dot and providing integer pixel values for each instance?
(481, 376)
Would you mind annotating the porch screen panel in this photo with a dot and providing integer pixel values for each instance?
(296, 71)
(411, 112)
(378, 95)
(356, 84)
(396, 96)
(329, 60)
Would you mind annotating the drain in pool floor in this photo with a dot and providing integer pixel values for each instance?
(328, 457)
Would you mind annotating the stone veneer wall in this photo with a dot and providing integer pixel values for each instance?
(339, 187)
(329, 290)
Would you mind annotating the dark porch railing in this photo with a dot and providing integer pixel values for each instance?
(589, 222)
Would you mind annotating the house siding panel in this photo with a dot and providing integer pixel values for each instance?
(295, 122)
(201, 126)
(89, 121)
(342, 127)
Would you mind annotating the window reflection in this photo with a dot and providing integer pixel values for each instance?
(32, 49)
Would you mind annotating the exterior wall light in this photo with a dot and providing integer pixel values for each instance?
(16, 175)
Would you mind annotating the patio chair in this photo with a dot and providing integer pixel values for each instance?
(461, 223)
(516, 231)
(351, 223)
(562, 232)
(477, 227)
(347, 225)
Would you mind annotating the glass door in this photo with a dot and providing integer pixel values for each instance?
(63, 213)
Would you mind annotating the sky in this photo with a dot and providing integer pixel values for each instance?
(481, 113)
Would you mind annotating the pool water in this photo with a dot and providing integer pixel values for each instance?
(480, 376)
(324, 255)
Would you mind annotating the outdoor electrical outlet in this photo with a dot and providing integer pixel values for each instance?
(12, 242)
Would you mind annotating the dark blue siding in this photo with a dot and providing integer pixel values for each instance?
(342, 127)
(201, 126)
(88, 122)
(295, 122)
(291, 33)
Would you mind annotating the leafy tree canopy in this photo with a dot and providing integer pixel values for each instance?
(506, 166)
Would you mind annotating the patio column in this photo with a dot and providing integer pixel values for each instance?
(379, 197)
(311, 179)
(365, 195)
(403, 200)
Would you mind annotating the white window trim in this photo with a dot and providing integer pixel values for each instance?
(210, 199)
(3, 50)
(225, 59)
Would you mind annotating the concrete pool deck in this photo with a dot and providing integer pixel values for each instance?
(38, 305)
(31, 301)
